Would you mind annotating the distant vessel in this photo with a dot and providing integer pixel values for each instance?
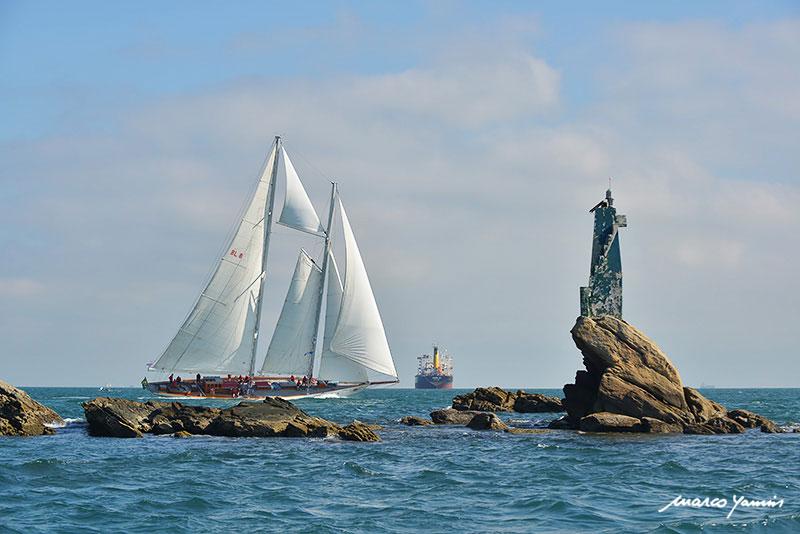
(434, 371)
(342, 351)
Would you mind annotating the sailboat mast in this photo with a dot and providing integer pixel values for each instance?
(265, 252)
(322, 283)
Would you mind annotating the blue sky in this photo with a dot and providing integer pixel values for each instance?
(469, 142)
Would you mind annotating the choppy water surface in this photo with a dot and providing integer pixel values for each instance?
(435, 479)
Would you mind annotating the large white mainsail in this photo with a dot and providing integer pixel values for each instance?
(298, 212)
(332, 366)
(290, 349)
(218, 335)
(359, 334)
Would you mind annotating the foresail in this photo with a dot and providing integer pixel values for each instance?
(219, 333)
(333, 366)
(298, 212)
(290, 349)
(359, 334)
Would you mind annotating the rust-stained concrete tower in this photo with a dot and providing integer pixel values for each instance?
(603, 295)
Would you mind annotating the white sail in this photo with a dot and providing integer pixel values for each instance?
(359, 334)
(332, 366)
(298, 212)
(218, 335)
(290, 349)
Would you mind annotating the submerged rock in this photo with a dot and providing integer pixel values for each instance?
(272, 418)
(515, 430)
(20, 415)
(415, 421)
(495, 399)
(628, 376)
(358, 431)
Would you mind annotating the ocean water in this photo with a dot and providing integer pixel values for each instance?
(419, 479)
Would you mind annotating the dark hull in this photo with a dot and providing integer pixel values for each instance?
(433, 382)
(224, 389)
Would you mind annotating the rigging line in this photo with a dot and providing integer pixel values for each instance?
(308, 162)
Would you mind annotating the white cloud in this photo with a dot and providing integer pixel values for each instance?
(710, 254)
(20, 287)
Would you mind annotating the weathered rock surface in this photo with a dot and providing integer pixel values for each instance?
(492, 399)
(371, 426)
(751, 420)
(657, 426)
(703, 409)
(449, 416)
(537, 403)
(20, 415)
(358, 431)
(610, 422)
(486, 421)
(271, 418)
(495, 399)
(628, 375)
(415, 421)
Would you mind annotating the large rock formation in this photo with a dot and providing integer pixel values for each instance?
(628, 375)
(271, 418)
(20, 415)
(495, 399)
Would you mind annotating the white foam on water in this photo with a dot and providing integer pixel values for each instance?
(56, 425)
(67, 421)
(329, 395)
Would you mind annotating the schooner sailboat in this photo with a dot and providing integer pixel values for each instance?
(217, 344)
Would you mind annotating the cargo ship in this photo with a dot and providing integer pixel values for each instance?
(434, 371)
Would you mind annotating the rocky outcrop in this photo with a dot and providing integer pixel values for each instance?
(537, 403)
(271, 418)
(487, 421)
(20, 415)
(486, 400)
(629, 385)
(751, 420)
(121, 418)
(715, 425)
(358, 431)
(495, 399)
(415, 421)
(449, 416)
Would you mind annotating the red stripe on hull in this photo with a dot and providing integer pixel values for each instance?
(433, 382)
